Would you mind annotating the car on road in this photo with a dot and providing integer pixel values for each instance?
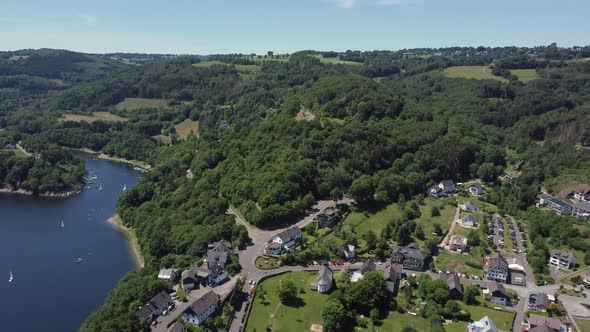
(341, 263)
(154, 323)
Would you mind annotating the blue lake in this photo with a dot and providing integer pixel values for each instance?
(50, 291)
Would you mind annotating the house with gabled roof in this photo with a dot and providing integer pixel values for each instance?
(201, 309)
(410, 256)
(324, 280)
(483, 325)
(496, 268)
(476, 190)
(454, 282)
(443, 188)
(154, 307)
(562, 258)
(287, 240)
(468, 221)
(497, 293)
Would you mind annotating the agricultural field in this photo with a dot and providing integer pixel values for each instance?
(472, 72)
(337, 61)
(104, 116)
(131, 104)
(295, 317)
(525, 75)
(187, 126)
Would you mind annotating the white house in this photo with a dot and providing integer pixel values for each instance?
(468, 206)
(349, 251)
(496, 268)
(201, 309)
(167, 274)
(443, 188)
(468, 221)
(561, 258)
(581, 210)
(325, 279)
(483, 325)
(476, 190)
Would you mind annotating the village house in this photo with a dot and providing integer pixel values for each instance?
(177, 327)
(517, 274)
(324, 280)
(496, 268)
(154, 307)
(217, 259)
(497, 293)
(581, 210)
(540, 323)
(167, 274)
(581, 193)
(562, 258)
(393, 273)
(458, 243)
(454, 282)
(193, 277)
(217, 276)
(476, 190)
(327, 218)
(539, 302)
(483, 325)
(201, 309)
(286, 240)
(443, 188)
(409, 256)
(560, 207)
(349, 251)
(221, 246)
(367, 266)
(468, 221)
(468, 206)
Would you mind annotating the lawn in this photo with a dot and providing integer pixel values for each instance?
(163, 139)
(282, 317)
(184, 128)
(395, 322)
(362, 222)
(246, 71)
(459, 262)
(584, 325)
(502, 319)
(267, 263)
(525, 75)
(337, 61)
(104, 116)
(138, 103)
(472, 72)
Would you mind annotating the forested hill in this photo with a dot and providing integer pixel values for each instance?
(270, 135)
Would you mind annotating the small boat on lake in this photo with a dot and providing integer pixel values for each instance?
(11, 277)
(62, 224)
(100, 187)
(124, 187)
(78, 260)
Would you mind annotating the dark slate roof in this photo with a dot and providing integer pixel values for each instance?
(392, 270)
(145, 312)
(161, 300)
(562, 255)
(203, 303)
(368, 266)
(497, 287)
(289, 233)
(222, 245)
(220, 257)
(497, 261)
(325, 276)
(453, 281)
(447, 183)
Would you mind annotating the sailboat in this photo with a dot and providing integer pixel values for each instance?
(124, 187)
(62, 224)
(100, 187)
(11, 277)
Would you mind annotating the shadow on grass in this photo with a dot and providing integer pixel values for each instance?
(294, 302)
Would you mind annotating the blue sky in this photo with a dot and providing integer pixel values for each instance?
(224, 26)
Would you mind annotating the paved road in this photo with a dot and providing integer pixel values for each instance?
(194, 295)
(259, 238)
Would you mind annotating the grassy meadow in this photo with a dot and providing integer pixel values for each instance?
(104, 116)
(184, 128)
(131, 104)
(472, 72)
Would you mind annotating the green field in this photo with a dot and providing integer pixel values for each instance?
(163, 139)
(525, 75)
(17, 152)
(584, 325)
(472, 72)
(282, 317)
(187, 126)
(502, 319)
(104, 116)
(337, 61)
(266, 263)
(395, 322)
(458, 262)
(131, 104)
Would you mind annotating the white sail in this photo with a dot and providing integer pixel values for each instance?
(11, 277)
(62, 224)
(124, 187)
(100, 187)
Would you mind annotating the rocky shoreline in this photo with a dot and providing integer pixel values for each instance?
(48, 194)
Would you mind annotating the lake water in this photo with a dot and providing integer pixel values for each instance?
(50, 291)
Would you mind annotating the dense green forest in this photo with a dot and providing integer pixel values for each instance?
(381, 132)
